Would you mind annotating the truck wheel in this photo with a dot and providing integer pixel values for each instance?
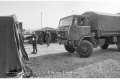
(118, 47)
(85, 49)
(105, 46)
(70, 49)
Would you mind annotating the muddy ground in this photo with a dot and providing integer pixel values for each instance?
(55, 62)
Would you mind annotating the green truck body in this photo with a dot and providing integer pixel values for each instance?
(81, 33)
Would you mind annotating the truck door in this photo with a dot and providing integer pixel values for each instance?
(79, 28)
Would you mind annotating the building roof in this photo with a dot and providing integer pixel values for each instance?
(46, 28)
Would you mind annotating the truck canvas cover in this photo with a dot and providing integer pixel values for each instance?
(11, 46)
(103, 22)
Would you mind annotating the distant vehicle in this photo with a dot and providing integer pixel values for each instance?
(42, 34)
(27, 38)
(81, 33)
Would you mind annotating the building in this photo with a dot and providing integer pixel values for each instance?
(52, 31)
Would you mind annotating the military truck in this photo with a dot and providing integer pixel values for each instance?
(82, 33)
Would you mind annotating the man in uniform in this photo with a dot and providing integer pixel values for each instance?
(48, 38)
(34, 43)
(41, 37)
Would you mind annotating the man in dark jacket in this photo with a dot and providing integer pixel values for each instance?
(34, 43)
(41, 36)
(48, 38)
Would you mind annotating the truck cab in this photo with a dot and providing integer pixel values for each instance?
(72, 30)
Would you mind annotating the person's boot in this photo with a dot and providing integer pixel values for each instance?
(47, 44)
(36, 51)
(33, 53)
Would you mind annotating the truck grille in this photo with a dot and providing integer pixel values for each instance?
(62, 34)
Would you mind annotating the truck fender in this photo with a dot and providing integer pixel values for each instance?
(89, 38)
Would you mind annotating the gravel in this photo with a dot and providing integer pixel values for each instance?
(55, 62)
(105, 69)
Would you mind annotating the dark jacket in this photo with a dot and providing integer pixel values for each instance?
(34, 38)
(48, 36)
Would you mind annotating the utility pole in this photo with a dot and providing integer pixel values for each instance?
(41, 20)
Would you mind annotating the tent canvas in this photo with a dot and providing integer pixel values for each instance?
(20, 27)
(11, 46)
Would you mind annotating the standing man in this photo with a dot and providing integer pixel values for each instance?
(48, 38)
(34, 43)
(41, 37)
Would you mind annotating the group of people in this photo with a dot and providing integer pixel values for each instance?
(35, 38)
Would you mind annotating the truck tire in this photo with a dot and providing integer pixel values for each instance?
(85, 49)
(118, 47)
(70, 49)
(118, 43)
(105, 46)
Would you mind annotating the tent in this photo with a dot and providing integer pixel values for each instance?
(12, 52)
(20, 27)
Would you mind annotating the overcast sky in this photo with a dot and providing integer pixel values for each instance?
(29, 12)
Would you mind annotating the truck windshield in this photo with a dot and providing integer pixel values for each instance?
(66, 21)
(81, 21)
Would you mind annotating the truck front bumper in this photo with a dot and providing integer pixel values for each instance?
(62, 41)
(68, 42)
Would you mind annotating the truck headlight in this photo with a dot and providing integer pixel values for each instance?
(58, 35)
(93, 34)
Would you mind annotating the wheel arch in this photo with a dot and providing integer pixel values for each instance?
(90, 39)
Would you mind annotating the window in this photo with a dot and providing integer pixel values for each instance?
(66, 21)
(81, 21)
